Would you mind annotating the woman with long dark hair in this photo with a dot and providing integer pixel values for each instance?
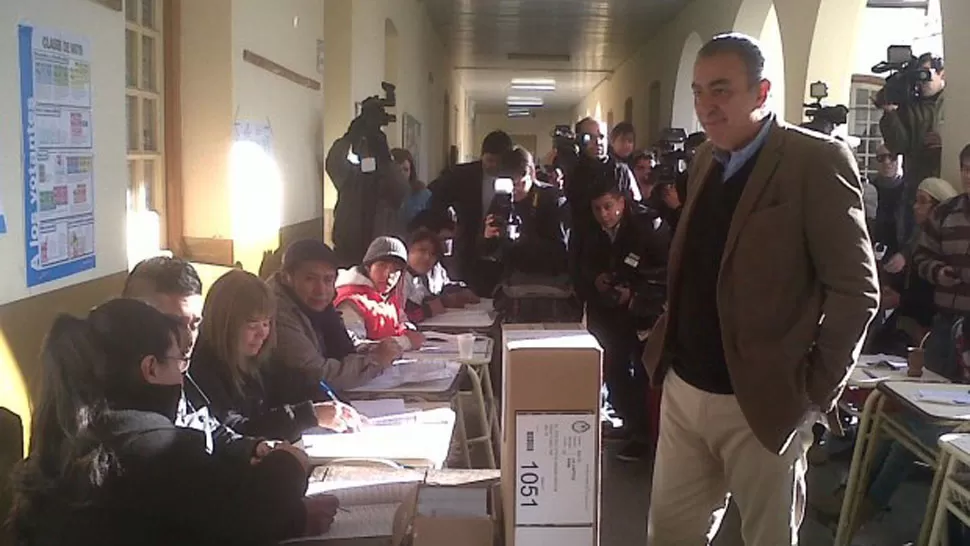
(108, 466)
(417, 199)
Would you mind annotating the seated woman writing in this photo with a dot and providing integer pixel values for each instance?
(232, 364)
(369, 296)
(108, 466)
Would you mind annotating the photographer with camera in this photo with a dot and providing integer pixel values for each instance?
(912, 102)
(587, 160)
(468, 188)
(623, 278)
(370, 186)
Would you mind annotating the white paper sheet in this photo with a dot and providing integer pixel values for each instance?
(374, 409)
(945, 396)
(411, 373)
(372, 520)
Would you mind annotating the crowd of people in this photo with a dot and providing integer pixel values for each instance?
(743, 288)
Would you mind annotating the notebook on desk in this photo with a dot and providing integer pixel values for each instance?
(367, 511)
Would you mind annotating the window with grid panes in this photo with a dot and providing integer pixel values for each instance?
(144, 106)
(864, 121)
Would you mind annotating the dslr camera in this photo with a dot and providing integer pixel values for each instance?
(905, 81)
(672, 159)
(824, 119)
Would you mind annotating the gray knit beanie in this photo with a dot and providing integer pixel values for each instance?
(383, 248)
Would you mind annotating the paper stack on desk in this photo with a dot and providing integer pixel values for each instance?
(409, 372)
(368, 510)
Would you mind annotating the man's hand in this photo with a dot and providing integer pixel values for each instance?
(452, 300)
(603, 282)
(416, 338)
(320, 512)
(896, 264)
(933, 140)
(948, 276)
(385, 352)
(337, 416)
(890, 298)
(889, 107)
(670, 196)
(437, 306)
(624, 293)
(491, 230)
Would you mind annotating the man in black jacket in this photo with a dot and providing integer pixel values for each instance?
(623, 280)
(468, 189)
(593, 163)
(523, 230)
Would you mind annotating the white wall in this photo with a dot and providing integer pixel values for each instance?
(286, 32)
(905, 27)
(420, 52)
(541, 126)
(104, 29)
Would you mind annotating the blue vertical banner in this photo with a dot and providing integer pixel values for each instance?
(58, 153)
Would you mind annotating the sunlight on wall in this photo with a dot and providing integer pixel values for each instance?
(142, 235)
(256, 202)
(684, 115)
(598, 115)
(13, 389)
(774, 61)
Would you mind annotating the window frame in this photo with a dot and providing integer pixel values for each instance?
(868, 142)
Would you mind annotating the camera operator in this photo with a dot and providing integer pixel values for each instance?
(468, 188)
(523, 229)
(592, 163)
(623, 280)
(911, 128)
(370, 186)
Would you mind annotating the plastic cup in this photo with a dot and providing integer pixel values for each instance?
(915, 363)
(466, 346)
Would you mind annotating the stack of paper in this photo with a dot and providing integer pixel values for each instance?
(411, 372)
(366, 511)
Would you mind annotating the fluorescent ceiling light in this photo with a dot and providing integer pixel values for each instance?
(524, 101)
(519, 113)
(533, 84)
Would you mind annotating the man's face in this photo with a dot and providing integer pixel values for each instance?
(422, 256)
(313, 284)
(886, 162)
(608, 210)
(592, 140)
(624, 145)
(491, 163)
(936, 82)
(728, 105)
(642, 170)
(186, 309)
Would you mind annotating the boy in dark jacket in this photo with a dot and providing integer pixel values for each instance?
(623, 281)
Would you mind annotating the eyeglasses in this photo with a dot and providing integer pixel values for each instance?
(885, 157)
(183, 362)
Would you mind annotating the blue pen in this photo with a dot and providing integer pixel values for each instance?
(326, 388)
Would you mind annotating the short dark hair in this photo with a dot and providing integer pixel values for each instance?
(745, 47)
(305, 251)
(516, 161)
(421, 235)
(163, 275)
(623, 128)
(496, 142)
(433, 220)
(965, 155)
(584, 121)
(935, 62)
(643, 155)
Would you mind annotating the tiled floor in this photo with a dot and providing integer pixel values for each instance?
(626, 496)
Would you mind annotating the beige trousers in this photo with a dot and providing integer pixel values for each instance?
(708, 454)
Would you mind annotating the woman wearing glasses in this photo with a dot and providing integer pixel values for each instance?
(108, 466)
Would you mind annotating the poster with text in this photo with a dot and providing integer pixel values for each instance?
(56, 115)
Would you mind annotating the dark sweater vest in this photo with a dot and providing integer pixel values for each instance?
(695, 342)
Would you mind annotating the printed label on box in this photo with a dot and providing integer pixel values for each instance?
(555, 459)
(559, 536)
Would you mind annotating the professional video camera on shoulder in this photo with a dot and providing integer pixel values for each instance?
(365, 130)
(566, 145)
(672, 158)
(824, 119)
(909, 75)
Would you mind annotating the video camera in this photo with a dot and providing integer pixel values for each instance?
(673, 158)
(824, 119)
(373, 111)
(905, 84)
(566, 146)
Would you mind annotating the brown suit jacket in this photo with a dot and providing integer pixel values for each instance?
(797, 286)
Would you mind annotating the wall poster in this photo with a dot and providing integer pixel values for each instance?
(58, 150)
(411, 136)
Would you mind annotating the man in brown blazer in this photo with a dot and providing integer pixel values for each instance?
(772, 284)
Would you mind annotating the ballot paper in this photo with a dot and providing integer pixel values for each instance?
(374, 409)
(945, 396)
(410, 372)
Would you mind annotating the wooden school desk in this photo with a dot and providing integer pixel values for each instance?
(901, 397)
(954, 495)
